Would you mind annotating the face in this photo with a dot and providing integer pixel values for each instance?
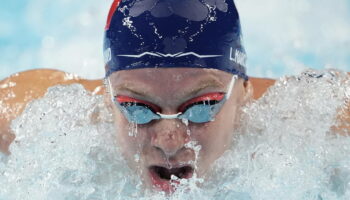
(165, 147)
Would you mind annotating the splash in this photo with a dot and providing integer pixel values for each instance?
(64, 149)
(287, 148)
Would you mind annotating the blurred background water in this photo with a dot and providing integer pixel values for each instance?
(282, 37)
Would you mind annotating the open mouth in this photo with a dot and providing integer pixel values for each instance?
(165, 173)
(162, 177)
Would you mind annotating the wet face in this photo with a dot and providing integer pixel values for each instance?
(166, 147)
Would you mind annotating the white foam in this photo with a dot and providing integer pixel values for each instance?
(65, 149)
(286, 149)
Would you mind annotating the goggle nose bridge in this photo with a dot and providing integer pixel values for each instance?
(173, 116)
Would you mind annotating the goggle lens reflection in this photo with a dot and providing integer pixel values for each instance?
(198, 112)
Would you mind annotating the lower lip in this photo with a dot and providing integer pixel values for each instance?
(164, 185)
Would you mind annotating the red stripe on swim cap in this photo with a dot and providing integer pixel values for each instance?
(111, 13)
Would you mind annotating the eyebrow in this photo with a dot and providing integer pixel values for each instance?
(188, 94)
(203, 84)
(126, 87)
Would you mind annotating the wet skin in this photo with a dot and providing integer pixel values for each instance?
(162, 143)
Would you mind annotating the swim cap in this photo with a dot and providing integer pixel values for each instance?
(174, 33)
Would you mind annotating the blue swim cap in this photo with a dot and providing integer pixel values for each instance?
(174, 33)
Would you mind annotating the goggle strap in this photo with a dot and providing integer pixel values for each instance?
(230, 87)
(110, 89)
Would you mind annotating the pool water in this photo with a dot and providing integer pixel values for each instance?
(286, 148)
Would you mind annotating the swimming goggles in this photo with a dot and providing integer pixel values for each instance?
(198, 110)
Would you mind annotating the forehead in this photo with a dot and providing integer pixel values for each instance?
(169, 82)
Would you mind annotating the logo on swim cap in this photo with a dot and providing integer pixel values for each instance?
(174, 33)
(176, 55)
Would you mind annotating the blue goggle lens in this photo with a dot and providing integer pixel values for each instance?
(197, 113)
(138, 114)
(200, 113)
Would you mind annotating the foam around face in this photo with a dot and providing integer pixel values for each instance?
(285, 149)
(64, 149)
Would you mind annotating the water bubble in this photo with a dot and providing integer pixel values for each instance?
(137, 157)
(133, 129)
(185, 121)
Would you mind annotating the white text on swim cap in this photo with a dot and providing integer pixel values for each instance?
(238, 57)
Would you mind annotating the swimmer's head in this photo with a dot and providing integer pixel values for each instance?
(174, 33)
(175, 71)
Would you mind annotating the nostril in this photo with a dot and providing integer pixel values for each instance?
(158, 149)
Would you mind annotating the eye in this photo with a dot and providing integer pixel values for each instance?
(207, 99)
(128, 101)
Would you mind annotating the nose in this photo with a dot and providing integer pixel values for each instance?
(170, 136)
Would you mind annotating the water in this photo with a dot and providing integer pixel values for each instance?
(286, 149)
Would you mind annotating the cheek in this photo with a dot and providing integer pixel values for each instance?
(130, 137)
(215, 137)
(212, 137)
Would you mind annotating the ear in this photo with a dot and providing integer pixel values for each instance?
(248, 91)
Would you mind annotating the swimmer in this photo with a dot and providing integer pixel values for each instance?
(174, 69)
